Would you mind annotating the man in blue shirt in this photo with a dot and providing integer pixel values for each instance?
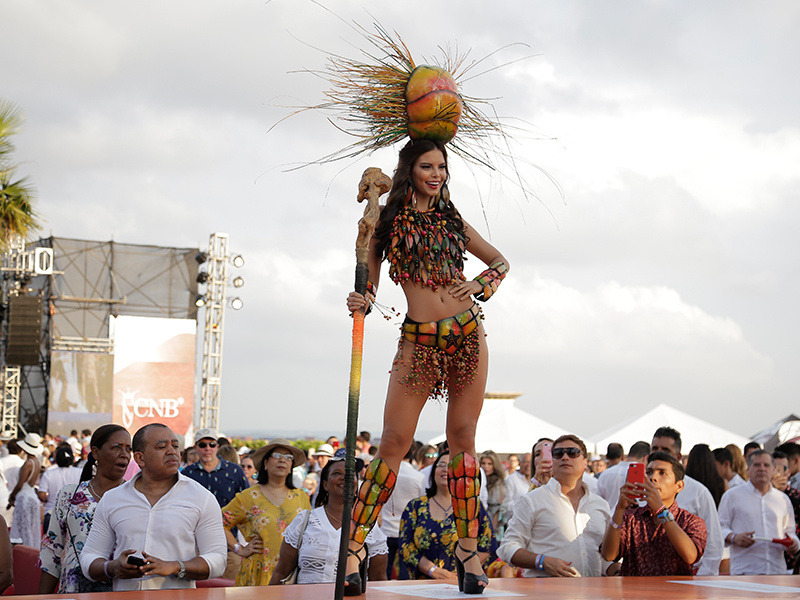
(220, 477)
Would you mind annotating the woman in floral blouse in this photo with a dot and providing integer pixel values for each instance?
(71, 517)
(428, 535)
(262, 512)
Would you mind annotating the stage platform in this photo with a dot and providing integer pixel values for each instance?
(775, 587)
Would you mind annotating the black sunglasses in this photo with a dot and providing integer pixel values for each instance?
(571, 452)
(208, 444)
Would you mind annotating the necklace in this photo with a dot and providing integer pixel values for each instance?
(94, 492)
(330, 516)
(446, 511)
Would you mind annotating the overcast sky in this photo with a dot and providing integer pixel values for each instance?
(667, 273)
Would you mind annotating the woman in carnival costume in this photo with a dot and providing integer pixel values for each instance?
(442, 349)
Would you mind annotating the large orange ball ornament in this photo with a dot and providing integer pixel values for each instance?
(433, 104)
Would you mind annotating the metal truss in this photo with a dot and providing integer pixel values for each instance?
(212, 336)
(82, 286)
(11, 381)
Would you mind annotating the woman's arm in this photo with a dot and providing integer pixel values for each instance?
(377, 567)
(24, 474)
(485, 284)
(53, 543)
(286, 563)
(481, 249)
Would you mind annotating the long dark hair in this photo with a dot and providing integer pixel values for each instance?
(702, 467)
(64, 456)
(99, 438)
(402, 187)
(322, 493)
(432, 487)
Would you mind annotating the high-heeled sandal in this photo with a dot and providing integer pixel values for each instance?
(469, 583)
(355, 584)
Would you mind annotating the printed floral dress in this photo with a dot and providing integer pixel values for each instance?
(423, 536)
(63, 541)
(251, 513)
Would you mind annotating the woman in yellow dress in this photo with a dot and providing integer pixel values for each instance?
(263, 512)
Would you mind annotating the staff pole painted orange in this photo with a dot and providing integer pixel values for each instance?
(373, 184)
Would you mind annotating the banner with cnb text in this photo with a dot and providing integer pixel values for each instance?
(154, 368)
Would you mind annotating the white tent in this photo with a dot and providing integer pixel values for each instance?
(693, 431)
(506, 429)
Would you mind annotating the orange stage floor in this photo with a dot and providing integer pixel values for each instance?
(775, 587)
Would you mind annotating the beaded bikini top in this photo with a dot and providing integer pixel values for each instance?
(425, 248)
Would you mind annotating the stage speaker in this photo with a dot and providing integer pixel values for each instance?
(24, 330)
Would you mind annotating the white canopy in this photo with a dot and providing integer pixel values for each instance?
(506, 429)
(693, 431)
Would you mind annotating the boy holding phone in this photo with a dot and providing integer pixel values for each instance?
(659, 538)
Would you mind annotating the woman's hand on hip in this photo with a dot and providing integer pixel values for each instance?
(465, 289)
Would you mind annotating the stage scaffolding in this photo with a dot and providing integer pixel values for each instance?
(90, 282)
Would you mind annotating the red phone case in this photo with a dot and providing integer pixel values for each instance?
(636, 475)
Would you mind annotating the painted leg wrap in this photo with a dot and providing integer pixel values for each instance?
(372, 495)
(464, 481)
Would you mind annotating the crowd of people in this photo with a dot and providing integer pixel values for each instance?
(173, 515)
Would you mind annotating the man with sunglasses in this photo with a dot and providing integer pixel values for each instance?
(557, 528)
(222, 478)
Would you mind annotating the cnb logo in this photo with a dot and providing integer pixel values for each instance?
(148, 408)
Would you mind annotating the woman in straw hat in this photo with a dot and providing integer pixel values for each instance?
(27, 523)
(262, 512)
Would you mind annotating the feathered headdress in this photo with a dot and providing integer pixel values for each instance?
(386, 96)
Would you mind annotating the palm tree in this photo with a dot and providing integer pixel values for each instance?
(17, 216)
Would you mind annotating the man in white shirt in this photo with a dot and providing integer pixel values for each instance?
(170, 522)
(557, 528)
(754, 514)
(612, 479)
(410, 484)
(724, 459)
(695, 498)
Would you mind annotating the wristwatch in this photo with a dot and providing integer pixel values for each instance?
(182, 573)
(664, 517)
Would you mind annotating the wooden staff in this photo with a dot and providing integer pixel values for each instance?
(374, 183)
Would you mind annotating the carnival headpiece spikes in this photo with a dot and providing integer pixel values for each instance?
(387, 97)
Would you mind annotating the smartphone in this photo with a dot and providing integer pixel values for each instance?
(136, 560)
(636, 475)
(547, 451)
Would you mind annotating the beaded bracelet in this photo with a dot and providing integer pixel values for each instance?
(490, 279)
(373, 290)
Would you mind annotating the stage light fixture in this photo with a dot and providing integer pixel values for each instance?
(236, 303)
(238, 260)
(200, 300)
(238, 282)
(201, 257)
(202, 277)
